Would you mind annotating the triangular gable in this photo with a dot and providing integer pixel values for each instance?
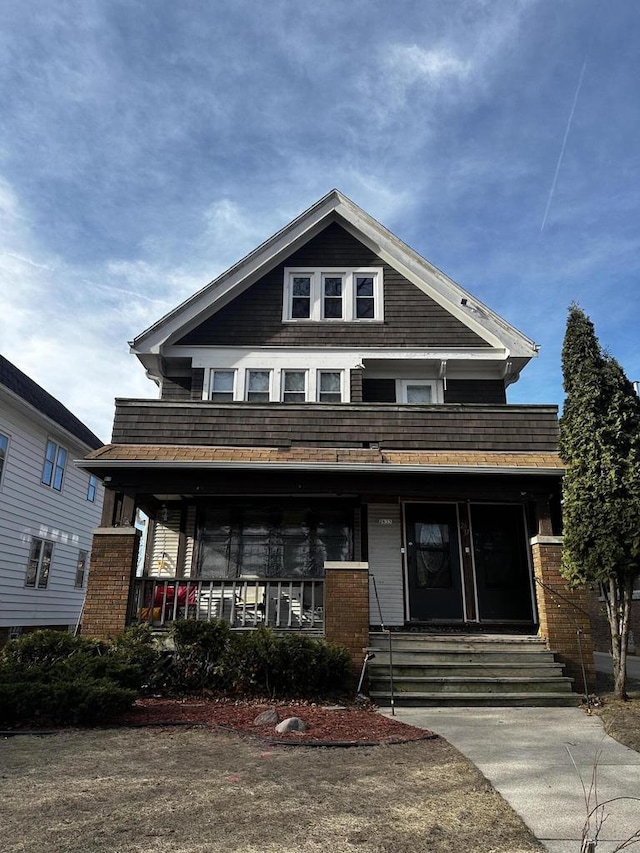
(335, 207)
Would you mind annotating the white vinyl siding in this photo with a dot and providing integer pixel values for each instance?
(385, 563)
(28, 510)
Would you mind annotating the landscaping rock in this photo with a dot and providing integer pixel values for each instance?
(270, 717)
(291, 724)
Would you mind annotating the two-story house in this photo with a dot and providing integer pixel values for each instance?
(332, 450)
(48, 507)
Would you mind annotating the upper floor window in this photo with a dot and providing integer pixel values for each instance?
(330, 386)
(4, 444)
(91, 488)
(419, 391)
(258, 386)
(294, 386)
(350, 295)
(223, 385)
(39, 563)
(55, 459)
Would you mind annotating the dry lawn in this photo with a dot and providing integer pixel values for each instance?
(621, 720)
(191, 791)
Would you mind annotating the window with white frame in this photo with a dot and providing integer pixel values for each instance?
(258, 386)
(39, 563)
(418, 391)
(331, 294)
(294, 386)
(55, 459)
(329, 386)
(91, 488)
(4, 444)
(223, 386)
(81, 569)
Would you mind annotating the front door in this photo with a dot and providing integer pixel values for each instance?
(500, 557)
(433, 562)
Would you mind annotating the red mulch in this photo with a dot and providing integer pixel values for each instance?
(326, 724)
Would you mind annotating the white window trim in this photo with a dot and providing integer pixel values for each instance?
(434, 384)
(330, 370)
(85, 568)
(283, 373)
(316, 305)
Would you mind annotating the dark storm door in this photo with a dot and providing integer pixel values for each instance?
(433, 563)
(500, 555)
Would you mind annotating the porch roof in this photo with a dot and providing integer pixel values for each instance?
(321, 458)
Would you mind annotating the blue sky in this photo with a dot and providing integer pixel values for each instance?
(146, 146)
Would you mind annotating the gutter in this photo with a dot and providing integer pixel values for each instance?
(377, 467)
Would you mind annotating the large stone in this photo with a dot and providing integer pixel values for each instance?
(270, 717)
(291, 724)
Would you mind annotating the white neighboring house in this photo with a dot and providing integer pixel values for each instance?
(48, 507)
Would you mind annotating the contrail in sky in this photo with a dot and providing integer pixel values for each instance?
(564, 145)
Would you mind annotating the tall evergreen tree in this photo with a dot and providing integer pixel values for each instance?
(600, 444)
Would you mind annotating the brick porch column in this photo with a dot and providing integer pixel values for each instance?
(346, 607)
(562, 612)
(114, 555)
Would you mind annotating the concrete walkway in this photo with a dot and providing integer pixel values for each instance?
(604, 663)
(523, 753)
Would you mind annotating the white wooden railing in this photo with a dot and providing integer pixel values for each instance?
(278, 603)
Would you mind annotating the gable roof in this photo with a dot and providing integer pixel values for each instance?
(22, 386)
(331, 208)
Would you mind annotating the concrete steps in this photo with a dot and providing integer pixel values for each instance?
(466, 669)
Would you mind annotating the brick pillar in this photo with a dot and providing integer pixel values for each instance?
(562, 612)
(346, 607)
(114, 555)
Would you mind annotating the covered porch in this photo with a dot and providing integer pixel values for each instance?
(334, 546)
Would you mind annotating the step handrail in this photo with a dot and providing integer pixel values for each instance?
(388, 632)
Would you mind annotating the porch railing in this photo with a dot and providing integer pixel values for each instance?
(279, 603)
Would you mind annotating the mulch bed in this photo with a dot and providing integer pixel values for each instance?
(326, 724)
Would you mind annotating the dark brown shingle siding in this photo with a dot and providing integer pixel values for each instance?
(412, 319)
(462, 427)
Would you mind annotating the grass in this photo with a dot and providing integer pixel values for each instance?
(194, 791)
(621, 720)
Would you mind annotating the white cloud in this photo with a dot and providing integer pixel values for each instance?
(411, 63)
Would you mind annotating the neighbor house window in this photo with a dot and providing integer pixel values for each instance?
(55, 459)
(223, 385)
(91, 488)
(39, 563)
(258, 386)
(81, 569)
(348, 295)
(330, 386)
(294, 386)
(4, 444)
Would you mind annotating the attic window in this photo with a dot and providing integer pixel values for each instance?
(333, 295)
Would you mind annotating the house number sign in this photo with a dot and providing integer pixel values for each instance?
(385, 521)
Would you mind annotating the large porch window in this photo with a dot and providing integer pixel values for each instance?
(272, 541)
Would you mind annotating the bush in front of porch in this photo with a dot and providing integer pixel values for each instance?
(53, 678)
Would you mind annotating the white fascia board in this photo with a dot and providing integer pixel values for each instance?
(205, 356)
(434, 283)
(373, 467)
